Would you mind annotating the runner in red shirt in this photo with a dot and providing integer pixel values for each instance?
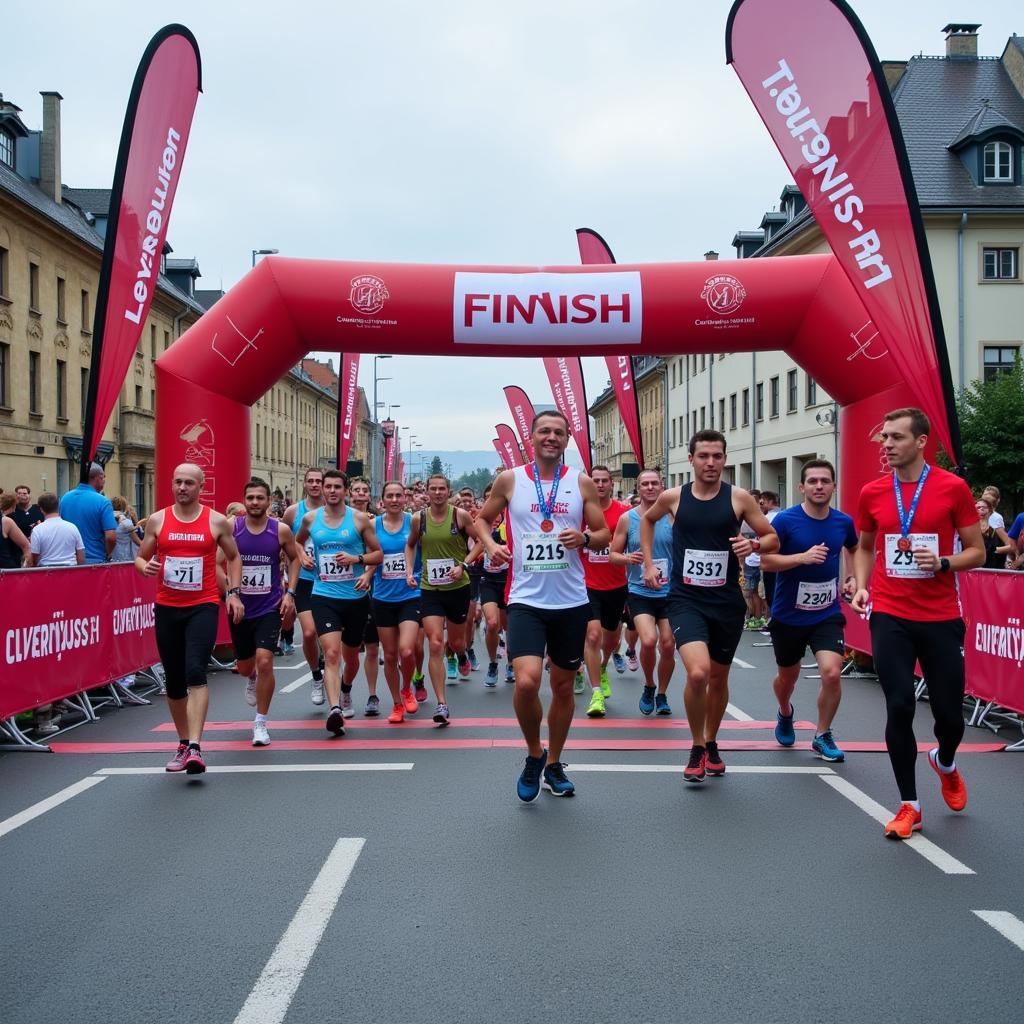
(907, 521)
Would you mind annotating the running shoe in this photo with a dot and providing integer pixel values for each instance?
(372, 709)
(510, 676)
(785, 734)
(397, 715)
(580, 684)
(250, 690)
(335, 722)
(289, 649)
(596, 709)
(606, 686)
(905, 824)
(555, 781)
(441, 715)
(464, 665)
(473, 663)
(491, 679)
(177, 763)
(695, 769)
(528, 785)
(453, 666)
(194, 763)
(260, 736)
(346, 706)
(661, 703)
(420, 689)
(619, 662)
(713, 760)
(409, 701)
(501, 641)
(647, 701)
(631, 659)
(954, 792)
(316, 694)
(825, 747)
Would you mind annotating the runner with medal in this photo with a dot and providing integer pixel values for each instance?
(907, 522)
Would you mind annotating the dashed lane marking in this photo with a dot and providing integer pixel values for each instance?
(1008, 925)
(58, 798)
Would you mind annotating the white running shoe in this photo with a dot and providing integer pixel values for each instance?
(347, 711)
(317, 692)
(250, 690)
(260, 736)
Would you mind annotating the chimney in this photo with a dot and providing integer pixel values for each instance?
(711, 255)
(962, 40)
(49, 146)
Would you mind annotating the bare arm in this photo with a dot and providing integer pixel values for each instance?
(146, 562)
(226, 541)
(496, 503)
(109, 541)
(667, 504)
(616, 553)
(749, 512)
(80, 556)
(863, 562)
(600, 535)
(410, 550)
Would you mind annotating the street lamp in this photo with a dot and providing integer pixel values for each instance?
(263, 252)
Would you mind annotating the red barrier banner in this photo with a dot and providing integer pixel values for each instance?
(152, 149)
(348, 389)
(507, 440)
(522, 416)
(992, 601)
(822, 94)
(506, 459)
(566, 378)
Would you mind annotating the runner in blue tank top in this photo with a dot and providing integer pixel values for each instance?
(706, 606)
(648, 604)
(343, 540)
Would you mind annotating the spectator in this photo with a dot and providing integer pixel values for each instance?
(995, 520)
(93, 514)
(126, 537)
(1016, 534)
(55, 541)
(997, 544)
(14, 548)
(25, 514)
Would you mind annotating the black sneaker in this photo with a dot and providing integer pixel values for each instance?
(335, 722)
(528, 786)
(695, 768)
(714, 763)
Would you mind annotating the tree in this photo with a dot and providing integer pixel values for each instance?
(435, 465)
(478, 479)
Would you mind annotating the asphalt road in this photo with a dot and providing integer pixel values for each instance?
(413, 886)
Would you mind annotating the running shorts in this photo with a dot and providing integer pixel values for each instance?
(251, 635)
(560, 631)
(333, 615)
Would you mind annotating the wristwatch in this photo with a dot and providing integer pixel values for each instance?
(586, 539)
(290, 592)
(233, 590)
(361, 562)
(755, 544)
(943, 565)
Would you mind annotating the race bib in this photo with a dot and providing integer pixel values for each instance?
(661, 568)
(439, 571)
(704, 568)
(543, 553)
(598, 557)
(255, 579)
(183, 573)
(812, 597)
(332, 572)
(901, 563)
(393, 567)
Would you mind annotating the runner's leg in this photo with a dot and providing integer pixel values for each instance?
(830, 666)
(697, 664)
(647, 631)
(433, 627)
(666, 655)
(526, 701)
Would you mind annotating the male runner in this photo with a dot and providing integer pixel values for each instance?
(648, 599)
(312, 490)
(706, 606)
(359, 499)
(553, 512)
(805, 609)
(769, 502)
(261, 541)
(492, 596)
(342, 540)
(475, 569)
(907, 522)
(606, 588)
(180, 546)
(440, 531)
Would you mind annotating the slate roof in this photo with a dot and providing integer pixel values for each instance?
(985, 119)
(90, 200)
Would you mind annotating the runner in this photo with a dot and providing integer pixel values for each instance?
(548, 606)
(180, 546)
(706, 606)
(914, 611)
(312, 489)
(440, 531)
(261, 542)
(492, 596)
(359, 499)
(606, 588)
(805, 609)
(342, 539)
(475, 568)
(648, 599)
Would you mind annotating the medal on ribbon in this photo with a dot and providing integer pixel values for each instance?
(906, 518)
(547, 508)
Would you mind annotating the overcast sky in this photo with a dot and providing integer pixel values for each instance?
(449, 132)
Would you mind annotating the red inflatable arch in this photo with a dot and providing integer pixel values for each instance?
(284, 308)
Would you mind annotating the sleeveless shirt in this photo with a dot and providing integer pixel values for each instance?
(188, 561)
(704, 569)
(661, 552)
(333, 580)
(261, 567)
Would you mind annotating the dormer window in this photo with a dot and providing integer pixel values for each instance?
(998, 162)
(6, 148)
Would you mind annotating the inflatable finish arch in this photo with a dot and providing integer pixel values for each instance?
(284, 308)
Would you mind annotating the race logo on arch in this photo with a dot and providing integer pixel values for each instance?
(199, 442)
(368, 294)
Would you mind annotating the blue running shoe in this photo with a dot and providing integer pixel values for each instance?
(661, 703)
(647, 701)
(491, 679)
(825, 747)
(510, 676)
(473, 663)
(619, 662)
(785, 734)
(452, 666)
(528, 786)
(555, 781)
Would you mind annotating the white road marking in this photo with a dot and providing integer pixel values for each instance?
(735, 712)
(272, 994)
(291, 668)
(227, 769)
(296, 683)
(1009, 926)
(741, 663)
(30, 813)
(734, 769)
(925, 847)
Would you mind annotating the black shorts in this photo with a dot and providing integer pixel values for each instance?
(638, 604)
(607, 605)
(338, 615)
(251, 635)
(184, 639)
(790, 642)
(452, 605)
(303, 596)
(718, 626)
(768, 579)
(370, 634)
(561, 631)
(492, 589)
(474, 586)
(389, 614)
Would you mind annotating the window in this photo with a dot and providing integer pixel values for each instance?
(138, 396)
(998, 162)
(62, 312)
(811, 393)
(3, 271)
(86, 315)
(703, 424)
(999, 359)
(999, 264)
(773, 397)
(721, 414)
(33, 287)
(703, 362)
(6, 148)
(62, 389)
(673, 444)
(759, 401)
(746, 406)
(694, 431)
(791, 391)
(5, 362)
(732, 411)
(34, 394)
(152, 341)
(83, 386)
(167, 340)
(152, 399)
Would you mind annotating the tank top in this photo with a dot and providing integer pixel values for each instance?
(544, 573)
(991, 542)
(661, 551)
(442, 545)
(704, 569)
(300, 513)
(188, 557)
(389, 577)
(496, 573)
(334, 580)
(261, 567)
(10, 553)
(600, 573)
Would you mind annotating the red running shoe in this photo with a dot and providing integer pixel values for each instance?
(696, 769)
(954, 792)
(194, 763)
(905, 824)
(177, 763)
(713, 762)
(409, 702)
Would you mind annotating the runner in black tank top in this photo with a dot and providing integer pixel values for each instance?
(706, 606)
